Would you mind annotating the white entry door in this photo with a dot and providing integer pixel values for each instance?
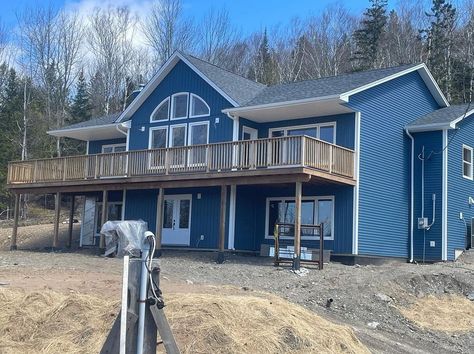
(177, 220)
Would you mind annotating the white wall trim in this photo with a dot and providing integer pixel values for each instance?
(444, 224)
(235, 128)
(355, 206)
(232, 204)
(124, 199)
(87, 147)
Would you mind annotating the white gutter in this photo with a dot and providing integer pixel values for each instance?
(126, 133)
(412, 191)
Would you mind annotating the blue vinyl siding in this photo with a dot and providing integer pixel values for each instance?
(384, 195)
(433, 143)
(459, 188)
(95, 146)
(251, 215)
(181, 79)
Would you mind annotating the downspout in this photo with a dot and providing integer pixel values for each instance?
(412, 191)
(123, 132)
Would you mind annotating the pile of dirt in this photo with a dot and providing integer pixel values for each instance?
(254, 323)
(448, 313)
(52, 322)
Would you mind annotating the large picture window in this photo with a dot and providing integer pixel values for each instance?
(179, 105)
(158, 138)
(323, 131)
(467, 161)
(314, 210)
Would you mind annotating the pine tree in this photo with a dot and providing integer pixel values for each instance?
(264, 69)
(439, 38)
(80, 108)
(369, 37)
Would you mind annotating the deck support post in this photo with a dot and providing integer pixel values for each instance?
(223, 212)
(16, 215)
(103, 220)
(159, 220)
(57, 213)
(297, 237)
(71, 221)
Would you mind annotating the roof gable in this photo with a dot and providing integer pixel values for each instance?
(443, 118)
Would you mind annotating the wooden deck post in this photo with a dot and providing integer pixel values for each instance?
(297, 238)
(159, 220)
(16, 214)
(223, 212)
(57, 213)
(105, 209)
(71, 221)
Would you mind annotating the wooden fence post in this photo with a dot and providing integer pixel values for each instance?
(16, 214)
(57, 213)
(223, 212)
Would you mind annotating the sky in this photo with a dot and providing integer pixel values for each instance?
(248, 15)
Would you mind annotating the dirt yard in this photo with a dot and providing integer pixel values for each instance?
(394, 308)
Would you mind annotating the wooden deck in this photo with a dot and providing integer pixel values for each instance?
(272, 157)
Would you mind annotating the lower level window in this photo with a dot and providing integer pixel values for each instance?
(314, 210)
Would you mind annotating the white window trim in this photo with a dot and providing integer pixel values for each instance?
(150, 134)
(170, 138)
(158, 107)
(306, 126)
(249, 130)
(269, 236)
(197, 123)
(191, 106)
(466, 147)
(172, 105)
(113, 146)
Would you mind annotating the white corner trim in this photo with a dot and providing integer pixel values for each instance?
(355, 207)
(87, 147)
(232, 205)
(235, 129)
(444, 219)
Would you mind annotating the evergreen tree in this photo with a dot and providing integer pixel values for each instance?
(80, 108)
(369, 38)
(439, 38)
(264, 68)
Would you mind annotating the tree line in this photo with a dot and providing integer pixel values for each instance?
(61, 67)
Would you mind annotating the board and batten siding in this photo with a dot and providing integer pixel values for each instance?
(433, 143)
(95, 146)
(181, 79)
(459, 188)
(251, 215)
(384, 181)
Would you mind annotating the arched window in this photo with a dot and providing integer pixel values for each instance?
(199, 107)
(162, 111)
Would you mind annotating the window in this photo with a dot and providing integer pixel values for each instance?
(314, 210)
(323, 131)
(113, 148)
(467, 162)
(158, 138)
(179, 105)
(162, 111)
(198, 135)
(199, 107)
(178, 135)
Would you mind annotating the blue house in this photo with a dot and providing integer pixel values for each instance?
(211, 160)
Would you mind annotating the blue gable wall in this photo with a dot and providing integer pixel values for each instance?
(433, 143)
(95, 146)
(459, 188)
(181, 79)
(384, 195)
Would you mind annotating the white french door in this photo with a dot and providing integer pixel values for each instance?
(177, 220)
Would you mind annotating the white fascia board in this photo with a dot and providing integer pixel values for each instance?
(60, 132)
(425, 74)
(159, 76)
(237, 110)
(430, 127)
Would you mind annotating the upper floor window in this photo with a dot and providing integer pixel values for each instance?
(323, 131)
(162, 111)
(199, 107)
(179, 106)
(467, 161)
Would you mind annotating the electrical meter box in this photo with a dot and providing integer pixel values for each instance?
(422, 223)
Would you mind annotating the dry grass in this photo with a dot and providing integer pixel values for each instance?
(254, 323)
(452, 313)
(50, 322)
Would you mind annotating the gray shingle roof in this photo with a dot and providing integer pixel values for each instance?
(235, 86)
(326, 86)
(104, 120)
(443, 115)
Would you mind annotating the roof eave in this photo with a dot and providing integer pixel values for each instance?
(430, 127)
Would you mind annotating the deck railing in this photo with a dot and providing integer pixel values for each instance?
(289, 151)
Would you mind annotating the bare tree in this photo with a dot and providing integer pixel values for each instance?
(111, 41)
(166, 30)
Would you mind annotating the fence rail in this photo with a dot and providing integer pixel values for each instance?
(286, 151)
